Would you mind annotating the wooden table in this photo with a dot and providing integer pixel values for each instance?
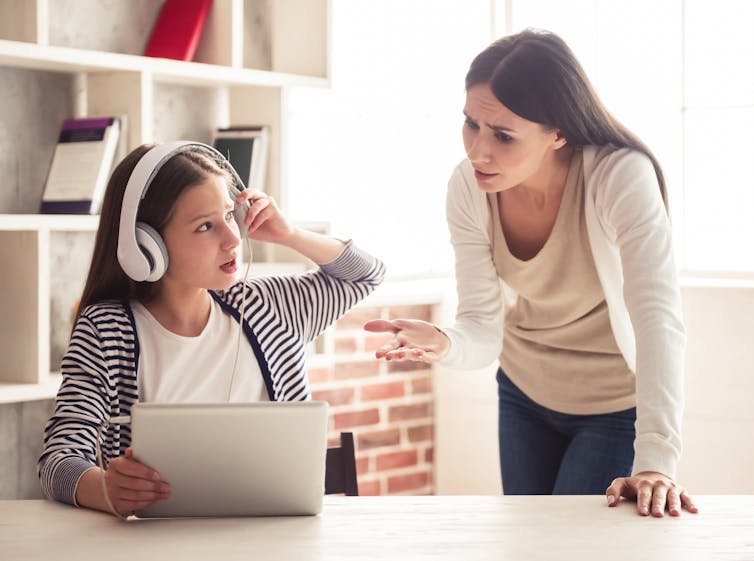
(438, 527)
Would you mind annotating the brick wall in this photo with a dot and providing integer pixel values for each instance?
(388, 406)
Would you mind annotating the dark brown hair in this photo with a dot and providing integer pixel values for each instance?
(536, 75)
(106, 279)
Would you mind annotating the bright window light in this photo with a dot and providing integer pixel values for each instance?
(372, 155)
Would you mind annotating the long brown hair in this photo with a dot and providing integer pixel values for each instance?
(106, 279)
(536, 75)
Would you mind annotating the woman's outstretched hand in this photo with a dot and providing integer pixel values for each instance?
(653, 492)
(413, 339)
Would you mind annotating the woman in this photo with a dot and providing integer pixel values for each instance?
(568, 209)
(163, 321)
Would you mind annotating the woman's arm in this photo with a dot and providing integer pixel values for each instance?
(632, 209)
(476, 336)
(475, 339)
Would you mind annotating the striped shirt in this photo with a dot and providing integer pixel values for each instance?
(282, 314)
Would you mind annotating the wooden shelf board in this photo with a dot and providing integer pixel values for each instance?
(55, 222)
(65, 59)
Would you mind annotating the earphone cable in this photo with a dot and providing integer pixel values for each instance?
(101, 461)
(244, 292)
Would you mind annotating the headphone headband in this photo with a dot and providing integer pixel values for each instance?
(131, 254)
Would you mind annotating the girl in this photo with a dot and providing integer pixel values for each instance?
(176, 336)
(565, 273)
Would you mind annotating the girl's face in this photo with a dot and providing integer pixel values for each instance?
(202, 238)
(506, 150)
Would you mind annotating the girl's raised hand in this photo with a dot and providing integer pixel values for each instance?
(413, 339)
(264, 220)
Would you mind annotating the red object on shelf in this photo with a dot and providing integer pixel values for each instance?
(178, 28)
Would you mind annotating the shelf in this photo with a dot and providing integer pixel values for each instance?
(13, 393)
(166, 71)
(89, 223)
(89, 64)
(56, 222)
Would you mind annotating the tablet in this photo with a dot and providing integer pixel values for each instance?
(234, 459)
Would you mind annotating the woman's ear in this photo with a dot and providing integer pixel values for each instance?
(560, 140)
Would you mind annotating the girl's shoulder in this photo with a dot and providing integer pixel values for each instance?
(106, 312)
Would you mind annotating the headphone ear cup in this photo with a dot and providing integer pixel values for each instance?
(239, 213)
(153, 247)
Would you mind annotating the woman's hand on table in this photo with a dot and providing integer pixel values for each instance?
(653, 493)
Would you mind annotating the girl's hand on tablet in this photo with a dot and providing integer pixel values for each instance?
(132, 486)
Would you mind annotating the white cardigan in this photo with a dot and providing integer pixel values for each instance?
(631, 241)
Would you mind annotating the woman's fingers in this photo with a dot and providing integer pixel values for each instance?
(659, 499)
(654, 493)
(618, 488)
(381, 326)
(674, 502)
(413, 340)
(688, 503)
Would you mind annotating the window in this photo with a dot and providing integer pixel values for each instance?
(373, 154)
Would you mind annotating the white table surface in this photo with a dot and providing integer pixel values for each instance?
(402, 527)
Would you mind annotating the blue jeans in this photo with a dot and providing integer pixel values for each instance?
(544, 452)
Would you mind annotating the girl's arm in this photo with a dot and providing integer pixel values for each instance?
(317, 247)
(81, 411)
(124, 487)
(68, 469)
(266, 223)
(308, 303)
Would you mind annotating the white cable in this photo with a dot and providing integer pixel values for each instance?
(101, 462)
(241, 319)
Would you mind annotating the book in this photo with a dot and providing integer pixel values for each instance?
(178, 28)
(81, 166)
(246, 150)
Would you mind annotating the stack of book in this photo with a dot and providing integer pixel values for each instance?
(81, 165)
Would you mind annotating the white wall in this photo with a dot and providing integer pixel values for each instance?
(719, 417)
(718, 420)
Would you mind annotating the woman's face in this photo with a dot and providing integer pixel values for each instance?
(506, 150)
(202, 238)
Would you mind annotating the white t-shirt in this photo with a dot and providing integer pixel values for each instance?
(174, 368)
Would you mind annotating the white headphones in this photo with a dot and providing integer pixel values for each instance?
(141, 250)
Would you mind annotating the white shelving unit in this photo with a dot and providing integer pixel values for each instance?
(250, 53)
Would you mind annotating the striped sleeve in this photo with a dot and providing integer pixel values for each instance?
(287, 312)
(102, 342)
(309, 303)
